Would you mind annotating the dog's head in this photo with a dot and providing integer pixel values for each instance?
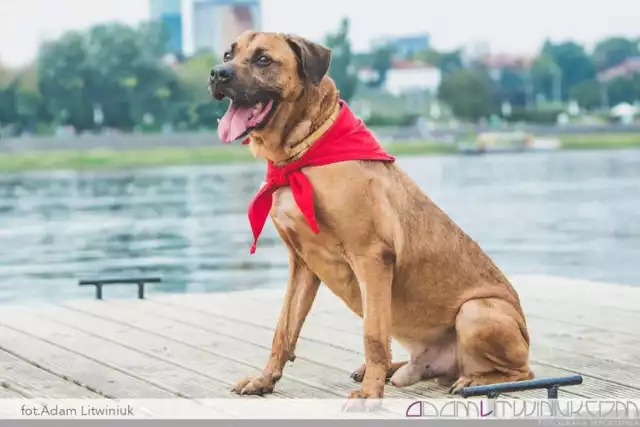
(266, 77)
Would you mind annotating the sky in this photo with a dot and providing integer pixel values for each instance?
(507, 26)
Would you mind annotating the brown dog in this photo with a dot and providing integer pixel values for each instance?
(384, 247)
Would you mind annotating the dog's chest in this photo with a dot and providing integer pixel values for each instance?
(319, 251)
(285, 212)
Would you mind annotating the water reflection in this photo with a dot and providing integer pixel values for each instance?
(571, 214)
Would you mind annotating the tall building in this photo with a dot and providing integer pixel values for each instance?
(216, 23)
(169, 12)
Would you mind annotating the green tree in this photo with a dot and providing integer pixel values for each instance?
(588, 94)
(381, 62)
(449, 62)
(196, 108)
(575, 64)
(342, 70)
(193, 73)
(624, 89)
(114, 67)
(128, 78)
(30, 107)
(546, 77)
(511, 86)
(613, 50)
(468, 93)
(63, 73)
(7, 97)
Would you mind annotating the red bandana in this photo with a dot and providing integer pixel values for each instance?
(346, 139)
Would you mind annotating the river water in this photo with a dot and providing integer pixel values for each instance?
(574, 214)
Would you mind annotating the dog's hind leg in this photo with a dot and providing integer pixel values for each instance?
(301, 291)
(435, 360)
(493, 344)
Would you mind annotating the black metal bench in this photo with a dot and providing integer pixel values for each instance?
(140, 281)
(552, 385)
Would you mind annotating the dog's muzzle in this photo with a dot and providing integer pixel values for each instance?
(222, 73)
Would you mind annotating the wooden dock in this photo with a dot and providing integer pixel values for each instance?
(197, 345)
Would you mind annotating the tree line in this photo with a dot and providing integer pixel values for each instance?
(535, 89)
(118, 76)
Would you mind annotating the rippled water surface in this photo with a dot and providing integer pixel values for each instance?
(573, 214)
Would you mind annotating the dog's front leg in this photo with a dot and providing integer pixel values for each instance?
(302, 289)
(374, 273)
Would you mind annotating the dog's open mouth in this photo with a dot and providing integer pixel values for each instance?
(239, 120)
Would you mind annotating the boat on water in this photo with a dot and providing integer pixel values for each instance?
(507, 142)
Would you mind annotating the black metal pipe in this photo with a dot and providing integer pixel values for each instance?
(124, 281)
(139, 281)
(550, 384)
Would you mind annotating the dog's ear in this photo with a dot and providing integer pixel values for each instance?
(314, 59)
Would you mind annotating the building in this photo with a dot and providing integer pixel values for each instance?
(626, 68)
(505, 61)
(406, 78)
(169, 13)
(408, 45)
(216, 23)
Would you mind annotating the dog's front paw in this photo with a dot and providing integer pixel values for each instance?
(255, 385)
(459, 384)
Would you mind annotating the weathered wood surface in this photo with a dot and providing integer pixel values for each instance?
(198, 345)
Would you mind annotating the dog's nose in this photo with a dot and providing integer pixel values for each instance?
(221, 73)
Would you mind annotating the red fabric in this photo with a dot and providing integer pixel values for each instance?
(347, 139)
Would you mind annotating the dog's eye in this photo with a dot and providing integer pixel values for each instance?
(263, 60)
(227, 57)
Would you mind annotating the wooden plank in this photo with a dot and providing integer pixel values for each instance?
(603, 318)
(176, 380)
(578, 292)
(604, 345)
(7, 393)
(31, 381)
(306, 379)
(345, 331)
(611, 339)
(85, 371)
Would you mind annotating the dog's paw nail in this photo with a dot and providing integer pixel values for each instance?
(357, 376)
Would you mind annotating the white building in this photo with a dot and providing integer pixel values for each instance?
(406, 77)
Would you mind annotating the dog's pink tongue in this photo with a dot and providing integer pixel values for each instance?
(234, 122)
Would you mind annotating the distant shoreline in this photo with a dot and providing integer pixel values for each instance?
(117, 159)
